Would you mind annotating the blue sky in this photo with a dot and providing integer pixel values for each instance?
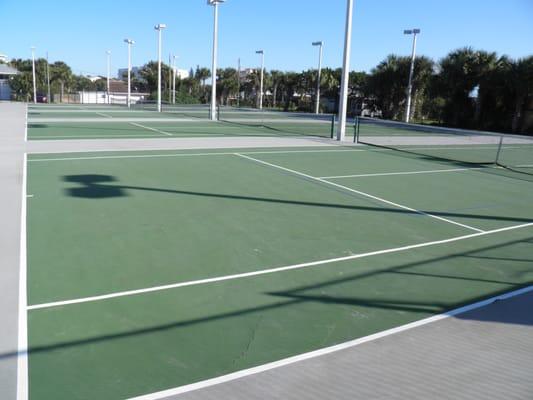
(80, 32)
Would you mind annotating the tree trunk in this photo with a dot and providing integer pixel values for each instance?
(62, 91)
(275, 91)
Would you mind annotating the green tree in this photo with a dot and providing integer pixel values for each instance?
(61, 74)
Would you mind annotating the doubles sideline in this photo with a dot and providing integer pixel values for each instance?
(270, 270)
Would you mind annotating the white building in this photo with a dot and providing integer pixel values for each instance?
(6, 72)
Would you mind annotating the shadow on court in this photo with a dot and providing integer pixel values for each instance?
(94, 186)
(315, 293)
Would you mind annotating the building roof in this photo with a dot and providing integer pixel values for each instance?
(7, 70)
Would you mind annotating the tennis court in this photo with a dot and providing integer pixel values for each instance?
(143, 121)
(154, 270)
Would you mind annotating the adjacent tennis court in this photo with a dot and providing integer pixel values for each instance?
(154, 270)
(143, 121)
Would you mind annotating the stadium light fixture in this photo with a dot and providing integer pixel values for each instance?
(108, 53)
(262, 52)
(33, 70)
(317, 105)
(213, 111)
(130, 43)
(343, 107)
(159, 28)
(413, 32)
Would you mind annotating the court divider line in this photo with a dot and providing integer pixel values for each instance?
(146, 135)
(434, 171)
(22, 345)
(270, 270)
(337, 148)
(150, 129)
(368, 195)
(328, 350)
(104, 115)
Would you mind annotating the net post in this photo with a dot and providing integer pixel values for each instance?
(332, 136)
(355, 126)
(499, 150)
(218, 112)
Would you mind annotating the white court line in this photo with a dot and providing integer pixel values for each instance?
(184, 154)
(22, 347)
(126, 135)
(327, 350)
(150, 129)
(431, 171)
(336, 149)
(104, 115)
(360, 193)
(270, 270)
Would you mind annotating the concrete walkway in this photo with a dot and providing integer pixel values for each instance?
(484, 354)
(12, 147)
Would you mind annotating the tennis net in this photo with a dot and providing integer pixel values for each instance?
(457, 145)
(278, 123)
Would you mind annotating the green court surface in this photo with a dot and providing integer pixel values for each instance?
(97, 122)
(268, 254)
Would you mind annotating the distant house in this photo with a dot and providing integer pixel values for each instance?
(6, 72)
(135, 73)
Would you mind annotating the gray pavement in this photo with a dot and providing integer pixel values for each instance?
(484, 354)
(12, 129)
(67, 146)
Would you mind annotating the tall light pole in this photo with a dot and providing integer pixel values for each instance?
(238, 82)
(320, 45)
(213, 112)
(159, 28)
(341, 127)
(48, 97)
(108, 53)
(413, 32)
(174, 79)
(262, 52)
(34, 81)
(129, 42)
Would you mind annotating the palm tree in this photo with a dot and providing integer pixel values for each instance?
(483, 63)
(520, 81)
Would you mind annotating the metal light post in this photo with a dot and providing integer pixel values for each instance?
(108, 52)
(317, 106)
(129, 42)
(174, 79)
(238, 82)
(261, 81)
(413, 32)
(341, 127)
(213, 112)
(34, 81)
(48, 97)
(159, 28)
